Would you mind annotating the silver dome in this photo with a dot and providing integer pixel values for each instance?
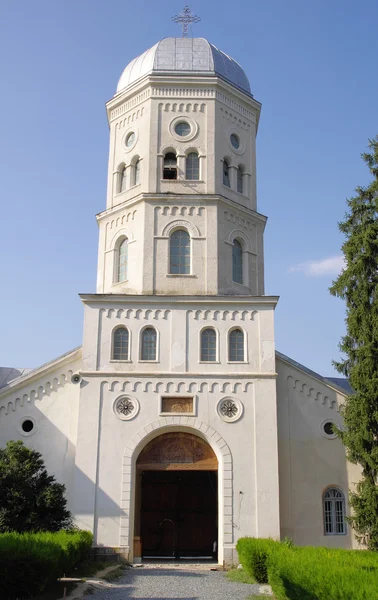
(187, 56)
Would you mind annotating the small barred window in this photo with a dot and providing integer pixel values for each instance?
(334, 512)
(122, 260)
(121, 344)
(208, 345)
(236, 346)
(149, 344)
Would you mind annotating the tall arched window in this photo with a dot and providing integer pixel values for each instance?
(236, 346)
(237, 262)
(226, 173)
(334, 512)
(122, 179)
(240, 186)
(170, 166)
(122, 260)
(179, 252)
(192, 166)
(208, 345)
(120, 344)
(149, 344)
(137, 172)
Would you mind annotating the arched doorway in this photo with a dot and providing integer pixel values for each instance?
(176, 499)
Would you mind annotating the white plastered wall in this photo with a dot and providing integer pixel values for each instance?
(51, 401)
(103, 493)
(309, 462)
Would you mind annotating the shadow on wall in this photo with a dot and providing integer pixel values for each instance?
(58, 453)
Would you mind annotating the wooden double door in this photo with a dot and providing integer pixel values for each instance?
(179, 514)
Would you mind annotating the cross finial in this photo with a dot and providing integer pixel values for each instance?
(184, 19)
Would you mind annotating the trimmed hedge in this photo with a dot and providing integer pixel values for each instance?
(31, 561)
(308, 573)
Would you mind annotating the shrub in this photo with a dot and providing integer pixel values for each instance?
(29, 562)
(30, 499)
(253, 555)
(308, 573)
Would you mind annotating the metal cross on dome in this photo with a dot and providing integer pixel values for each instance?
(184, 19)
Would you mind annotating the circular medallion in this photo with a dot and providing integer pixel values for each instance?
(230, 409)
(126, 407)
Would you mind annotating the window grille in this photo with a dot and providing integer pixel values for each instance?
(237, 262)
(208, 345)
(192, 166)
(226, 174)
(179, 253)
(123, 180)
(170, 166)
(334, 512)
(122, 260)
(240, 186)
(236, 346)
(137, 172)
(121, 344)
(149, 339)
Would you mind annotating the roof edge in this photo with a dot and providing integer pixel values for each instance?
(46, 367)
(311, 373)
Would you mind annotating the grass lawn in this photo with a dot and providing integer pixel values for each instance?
(239, 576)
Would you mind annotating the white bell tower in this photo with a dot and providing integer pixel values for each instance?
(180, 309)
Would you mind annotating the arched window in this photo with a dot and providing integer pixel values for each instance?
(226, 173)
(122, 179)
(120, 344)
(122, 260)
(149, 343)
(240, 186)
(192, 166)
(236, 346)
(334, 512)
(237, 262)
(170, 166)
(208, 345)
(179, 252)
(137, 172)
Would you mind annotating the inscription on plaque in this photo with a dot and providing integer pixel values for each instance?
(177, 405)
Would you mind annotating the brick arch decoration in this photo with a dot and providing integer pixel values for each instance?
(141, 439)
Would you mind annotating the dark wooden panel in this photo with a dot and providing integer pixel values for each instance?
(179, 513)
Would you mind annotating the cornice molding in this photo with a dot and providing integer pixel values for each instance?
(210, 87)
(258, 302)
(181, 200)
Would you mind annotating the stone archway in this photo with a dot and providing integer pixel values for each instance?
(225, 490)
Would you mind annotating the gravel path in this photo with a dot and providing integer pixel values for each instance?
(175, 584)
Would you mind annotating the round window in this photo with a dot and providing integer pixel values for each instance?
(27, 426)
(130, 139)
(235, 141)
(183, 129)
(328, 428)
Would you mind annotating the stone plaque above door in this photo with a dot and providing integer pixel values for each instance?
(173, 405)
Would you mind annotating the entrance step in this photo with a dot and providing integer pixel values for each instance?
(181, 565)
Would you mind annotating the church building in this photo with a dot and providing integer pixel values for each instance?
(177, 427)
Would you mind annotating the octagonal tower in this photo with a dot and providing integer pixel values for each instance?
(179, 338)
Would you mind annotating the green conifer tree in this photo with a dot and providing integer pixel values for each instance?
(358, 286)
(30, 499)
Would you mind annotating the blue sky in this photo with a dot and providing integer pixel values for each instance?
(312, 64)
